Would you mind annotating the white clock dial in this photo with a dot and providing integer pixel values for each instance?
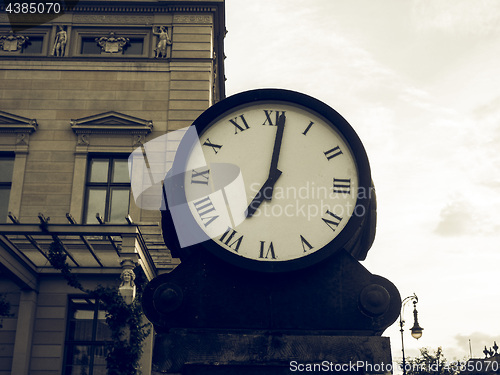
(314, 181)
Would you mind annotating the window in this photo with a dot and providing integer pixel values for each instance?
(120, 42)
(108, 189)
(32, 42)
(134, 47)
(90, 46)
(86, 337)
(6, 168)
(34, 45)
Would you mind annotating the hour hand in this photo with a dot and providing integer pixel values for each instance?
(265, 192)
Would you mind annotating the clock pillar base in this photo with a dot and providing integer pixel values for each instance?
(215, 319)
(337, 296)
(207, 352)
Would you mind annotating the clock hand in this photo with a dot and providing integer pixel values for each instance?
(263, 193)
(277, 145)
(273, 169)
(266, 191)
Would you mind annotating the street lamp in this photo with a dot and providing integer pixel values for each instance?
(416, 330)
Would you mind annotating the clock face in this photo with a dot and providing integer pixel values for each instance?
(301, 173)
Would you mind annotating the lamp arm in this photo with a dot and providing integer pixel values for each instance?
(403, 304)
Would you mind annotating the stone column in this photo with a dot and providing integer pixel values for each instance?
(24, 332)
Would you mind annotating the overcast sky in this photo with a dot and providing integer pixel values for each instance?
(419, 81)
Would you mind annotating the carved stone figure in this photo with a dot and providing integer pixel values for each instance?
(60, 41)
(127, 277)
(163, 41)
(127, 286)
(111, 43)
(12, 42)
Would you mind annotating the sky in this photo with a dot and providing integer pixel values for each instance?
(419, 81)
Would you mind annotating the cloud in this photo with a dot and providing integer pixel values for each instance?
(422, 99)
(476, 216)
(479, 17)
(455, 219)
(492, 108)
(304, 49)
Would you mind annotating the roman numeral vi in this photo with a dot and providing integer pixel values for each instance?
(270, 251)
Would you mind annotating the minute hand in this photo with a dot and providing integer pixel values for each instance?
(274, 172)
(277, 145)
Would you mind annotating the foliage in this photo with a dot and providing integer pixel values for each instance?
(127, 331)
(4, 307)
(57, 258)
(431, 364)
(125, 321)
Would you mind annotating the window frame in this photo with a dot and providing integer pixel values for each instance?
(83, 33)
(108, 185)
(42, 49)
(104, 133)
(7, 185)
(42, 32)
(70, 344)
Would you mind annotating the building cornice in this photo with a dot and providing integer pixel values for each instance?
(111, 123)
(135, 7)
(10, 123)
(140, 9)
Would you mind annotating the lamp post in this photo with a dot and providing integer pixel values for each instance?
(416, 330)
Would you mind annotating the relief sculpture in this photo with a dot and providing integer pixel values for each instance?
(12, 42)
(163, 41)
(112, 43)
(60, 41)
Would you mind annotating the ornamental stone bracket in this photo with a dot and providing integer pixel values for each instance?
(138, 140)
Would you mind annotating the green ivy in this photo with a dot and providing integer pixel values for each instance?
(125, 321)
(4, 307)
(57, 258)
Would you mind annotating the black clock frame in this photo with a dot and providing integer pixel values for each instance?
(209, 117)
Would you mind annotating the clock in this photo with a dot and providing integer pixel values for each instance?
(304, 188)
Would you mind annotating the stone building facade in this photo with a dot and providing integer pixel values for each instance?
(79, 91)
